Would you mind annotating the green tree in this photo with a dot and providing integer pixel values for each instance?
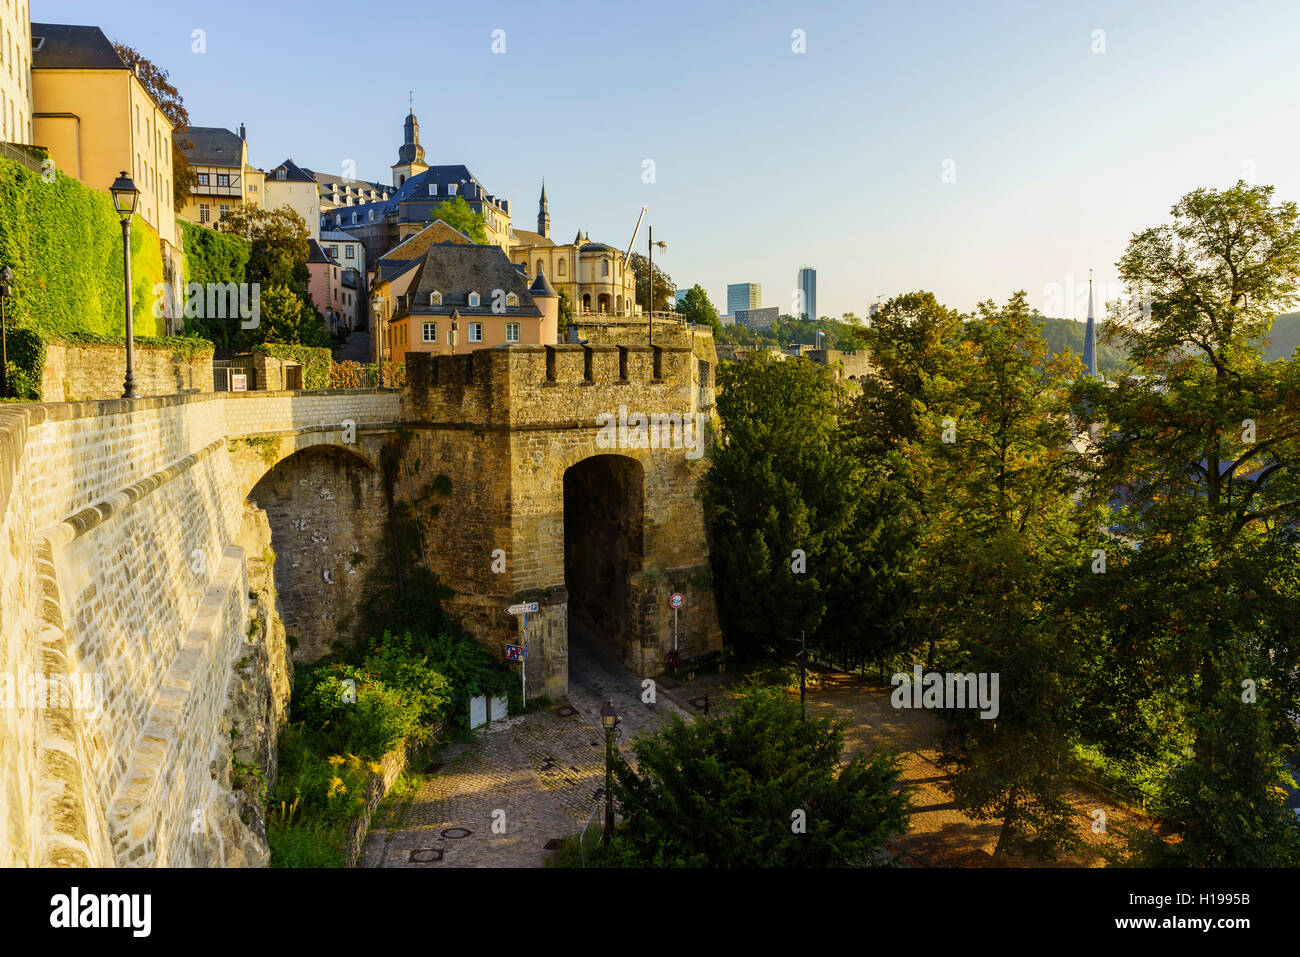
(663, 284)
(1206, 451)
(457, 214)
(286, 318)
(566, 315)
(157, 83)
(697, 308)
(755, 787)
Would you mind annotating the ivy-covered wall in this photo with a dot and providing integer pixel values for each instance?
(211, 256)
(63, 240)
(315, 361)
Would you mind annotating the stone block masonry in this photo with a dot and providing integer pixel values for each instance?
(77, 372)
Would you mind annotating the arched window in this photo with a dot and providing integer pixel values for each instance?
(539, 267)
(604, 267)
(560, 268)
(586, 302)
(473, 299)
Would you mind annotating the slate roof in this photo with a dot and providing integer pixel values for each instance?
(326, 180)
(390, 269)
(213, 146)
(293, 174)
(69, 47)
(542, 287)
(527, 237)
(456, 270)
(317, 254)
(416, 190)
(337, 236)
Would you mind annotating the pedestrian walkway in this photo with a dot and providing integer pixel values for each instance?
(356, 348)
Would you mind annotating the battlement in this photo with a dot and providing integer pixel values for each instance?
(530, 385)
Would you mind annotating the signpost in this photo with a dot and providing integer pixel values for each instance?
(519, 653)
(676, 601)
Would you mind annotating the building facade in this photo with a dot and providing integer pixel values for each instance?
(225, 180)
(16, 105)
(743, 295)
(290, 185)
(807, 293)
(97, 119)
(757, 318)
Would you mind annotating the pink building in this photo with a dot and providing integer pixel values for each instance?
(335, 289)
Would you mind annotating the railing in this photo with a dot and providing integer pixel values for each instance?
(26, 155)
(612, 317)
(590, 837)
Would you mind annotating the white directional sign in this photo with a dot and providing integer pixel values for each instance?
(522, 608)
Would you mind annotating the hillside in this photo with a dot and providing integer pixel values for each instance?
(1285, 337)
(1062, 334)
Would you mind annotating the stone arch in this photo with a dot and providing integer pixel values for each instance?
(604, 545)
(325, 505)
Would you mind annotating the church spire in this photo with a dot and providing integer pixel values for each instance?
(1090, 336)
(543, 214)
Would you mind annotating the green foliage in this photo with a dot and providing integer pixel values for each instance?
(663, 284)
(64, 242)
(1063, 334)
(286, 319)
(212, 256)
(565, 316)
(457, 214)
(317, 796)
(697, 308)
(315, 361)
(722, 792)
(26, 367)
(357, 712)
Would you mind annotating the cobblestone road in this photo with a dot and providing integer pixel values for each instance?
(537, 776)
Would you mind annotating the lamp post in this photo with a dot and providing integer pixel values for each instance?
(6, 277)
(609, 719)
(650, 283)
(125, 197)
(377, 308)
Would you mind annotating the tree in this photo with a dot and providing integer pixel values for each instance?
(566, 314)
(663, 283)
(697, 308)
(756, 787)
(457, 214)
(158, 85)
(286, 318)
(280, 242)
(1202, 456)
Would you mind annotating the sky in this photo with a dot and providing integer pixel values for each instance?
(971, 149)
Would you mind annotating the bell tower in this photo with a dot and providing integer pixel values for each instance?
(543, 215)
(410, 155)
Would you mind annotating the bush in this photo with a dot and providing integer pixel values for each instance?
(354, 711)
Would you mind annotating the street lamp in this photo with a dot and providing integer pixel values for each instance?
(378, 332)
(609, 719)
(650, 284)
(6, 277)
(125, 198)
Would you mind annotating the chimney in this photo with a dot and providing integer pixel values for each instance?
(242, 136)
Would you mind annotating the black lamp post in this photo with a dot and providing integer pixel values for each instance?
(6, 277)
(609, 719)
(125, 197)
(650, 288)
(378, 331)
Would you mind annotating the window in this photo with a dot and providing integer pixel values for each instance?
(560, 269)
(224, 210)
(351, 250)
(281, 173)
(252, 187)
(354, 219)
(539, 268)
(512, 299)
(334, 252)
(476, 332)
(604, 267)
(451, 189)
(473, 299)
(223, 179)
(433, 189)
(430, 332)
(372, 216)
(205, 213)
(435, 298)
(203, 179)
(512, 332)
(338, 220)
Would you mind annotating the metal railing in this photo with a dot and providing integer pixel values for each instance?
(589, 839)
(26, 155)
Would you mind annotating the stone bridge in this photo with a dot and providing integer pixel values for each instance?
(152, 546)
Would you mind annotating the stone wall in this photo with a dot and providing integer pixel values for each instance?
(76, 372)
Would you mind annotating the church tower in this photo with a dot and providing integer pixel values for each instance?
(410, 156)
(543, 215)
(1090, 337)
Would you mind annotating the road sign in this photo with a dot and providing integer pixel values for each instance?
(522, 608)
(677, 600)
(515, 652)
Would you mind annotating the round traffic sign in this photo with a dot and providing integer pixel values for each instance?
(677, 600)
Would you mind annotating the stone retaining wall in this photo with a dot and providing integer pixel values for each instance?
(77, 372)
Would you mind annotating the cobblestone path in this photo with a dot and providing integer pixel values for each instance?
(538, 777)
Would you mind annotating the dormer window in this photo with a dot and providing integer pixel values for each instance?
(433, 189)
(435, 298)
(474, 299)
(338, 220)
(512, 300)
(451, 189)
(354, 218)
(281, 173)
(372, 215)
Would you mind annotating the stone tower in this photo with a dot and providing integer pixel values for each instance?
(410, 156)
(543, 215)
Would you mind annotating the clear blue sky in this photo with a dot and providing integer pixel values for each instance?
(767, 160)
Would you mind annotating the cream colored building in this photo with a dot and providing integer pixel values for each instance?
(15, 72)
(290, 185)
(226, 181)
(96, 119)
(593, 275)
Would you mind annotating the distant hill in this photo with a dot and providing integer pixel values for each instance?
(1062, 334)
(1284, 338)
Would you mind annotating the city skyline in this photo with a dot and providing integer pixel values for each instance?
(1061, 131)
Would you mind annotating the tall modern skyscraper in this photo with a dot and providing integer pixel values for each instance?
(743, 295)
(808, 289)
